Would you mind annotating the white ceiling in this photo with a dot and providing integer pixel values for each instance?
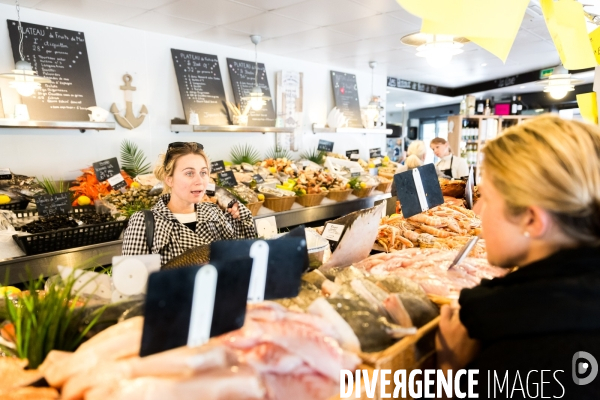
(343, 33)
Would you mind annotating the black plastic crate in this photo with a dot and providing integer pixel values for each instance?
(17, 205)
(69, 238)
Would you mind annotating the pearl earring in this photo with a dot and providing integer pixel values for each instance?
(526, 234)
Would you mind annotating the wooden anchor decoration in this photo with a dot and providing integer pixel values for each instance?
(129, 121)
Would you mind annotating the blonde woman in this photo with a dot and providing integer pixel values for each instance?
(181, 220)
(449, 166)
(540, 212)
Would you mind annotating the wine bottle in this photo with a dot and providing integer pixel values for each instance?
(463, 106)
(487, 110)
(519, 106)
(479, 106)
(513, 106)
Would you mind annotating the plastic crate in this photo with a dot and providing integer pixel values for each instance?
(69, 238)
(17, 205)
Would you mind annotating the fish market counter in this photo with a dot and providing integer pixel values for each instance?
(20, 268)
(46, 264)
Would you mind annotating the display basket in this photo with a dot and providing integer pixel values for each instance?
(385, 187)
(339, 195)
(279, 204)
(366, 192)
(17, 205)
(254, 207)
(311, 200)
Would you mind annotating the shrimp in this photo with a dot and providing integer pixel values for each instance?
(405, 242)
(454, 226)
(411, 235)
(428, 220)
(464, 211)
(436, 232)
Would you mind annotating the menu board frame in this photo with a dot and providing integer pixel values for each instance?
(345, 95)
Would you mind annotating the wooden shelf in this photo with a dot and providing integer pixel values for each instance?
(364, 131)
(80, 125)
(228, 128)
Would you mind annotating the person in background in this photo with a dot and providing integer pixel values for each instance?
(415, 157)
(449, 166)
(540, 213)
(181, 219)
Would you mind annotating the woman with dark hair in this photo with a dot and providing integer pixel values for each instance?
(181, 219)
(449, 166)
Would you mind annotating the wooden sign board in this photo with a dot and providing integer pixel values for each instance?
(60, 55)
(200, 86)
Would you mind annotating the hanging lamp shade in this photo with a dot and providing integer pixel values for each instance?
(438, 50)
(256, 99)
(24, 79)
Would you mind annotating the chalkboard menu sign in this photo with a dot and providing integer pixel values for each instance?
(106, 169)
(200, 86)
(217, 166)
(61, 56)
(352, 154)
(325, 145)
(242, 81)
(345, 94)
(227, 178)
(53, 204)
(376, 152)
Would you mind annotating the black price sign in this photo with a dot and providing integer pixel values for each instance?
(374, 153)
(258, 178)
(217, 166)
(227, 178)
(5, 174)
(106, 169)
(53, 204)
(325, 145)
(352, 154)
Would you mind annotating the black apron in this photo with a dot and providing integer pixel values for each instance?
(448, 172)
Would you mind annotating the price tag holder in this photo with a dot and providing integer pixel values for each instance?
(5, 174)
(374, 153)
(470, 189)
(117, 182)
(217, 166)
(333, 233)
(418, 190)
(258, 178)
(53, 204)
(355, 172)
(188, 306)
(377, 162)
(286, 260)
(353, 154)
(325, 145)
(266, 227)
(227, 178)
(210, 189)
(106, 169)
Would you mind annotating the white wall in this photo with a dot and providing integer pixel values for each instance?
(115, 50)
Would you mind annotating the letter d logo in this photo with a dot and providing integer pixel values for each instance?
(583, 367)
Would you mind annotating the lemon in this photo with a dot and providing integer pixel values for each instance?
(227, 163)
(347, 186)
(4, 199)
(371, 165)
(303, 191)
(135, 185)
(83, 200)
(394, 215)
(386, 158)
(363, 185)
(8, 290)
(261, 197)
(272, 170)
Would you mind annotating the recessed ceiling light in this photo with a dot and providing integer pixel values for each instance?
(400, 105)
(522, 87)
(484, 64)
(387, 91)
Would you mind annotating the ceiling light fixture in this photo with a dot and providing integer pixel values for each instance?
(24, 78)
(484, 65)
(400, 105)
(256, 99)
(372, 110)
(437, 49)
(559, 83)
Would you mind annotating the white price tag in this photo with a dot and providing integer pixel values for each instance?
(333, 232)
(266, 227)
(354, 156)
(203, 304)
(5, 174)
(377, 161)
(115, 180)
(210, 187)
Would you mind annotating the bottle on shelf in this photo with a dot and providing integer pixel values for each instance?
(479, 106)
(487, 110)
(519, 105)
(513, 106)
(463, 106)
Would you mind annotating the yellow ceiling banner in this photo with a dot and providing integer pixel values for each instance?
(595, 41)
(566, 23)
(492, 25)
(588, 107)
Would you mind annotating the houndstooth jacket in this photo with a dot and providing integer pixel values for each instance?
(171, 237)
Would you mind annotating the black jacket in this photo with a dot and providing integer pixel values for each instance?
(534, 319)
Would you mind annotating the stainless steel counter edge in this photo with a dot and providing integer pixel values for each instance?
(101, 254)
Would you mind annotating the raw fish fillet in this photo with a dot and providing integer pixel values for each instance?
(300, 387)
(346, 336)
